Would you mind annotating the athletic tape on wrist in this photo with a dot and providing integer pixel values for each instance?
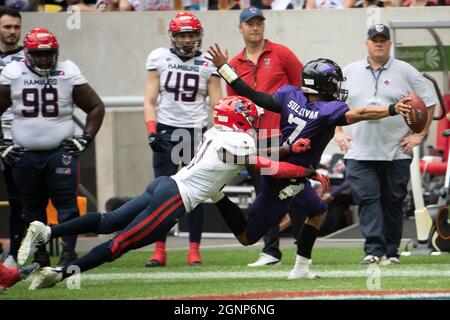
(228, 73)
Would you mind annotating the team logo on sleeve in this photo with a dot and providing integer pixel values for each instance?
(201, 63)
(66, 159)
(57, 73)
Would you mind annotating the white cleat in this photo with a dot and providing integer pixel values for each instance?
(37, 233)
(301, 269)
(47, 278)
(10, 262)
(264, 260)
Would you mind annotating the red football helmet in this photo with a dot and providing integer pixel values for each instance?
(182, 23)
(41, 51)
(235, 112)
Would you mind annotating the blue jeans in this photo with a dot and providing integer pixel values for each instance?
(380, 188)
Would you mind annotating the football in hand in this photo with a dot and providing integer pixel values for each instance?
(418, 116)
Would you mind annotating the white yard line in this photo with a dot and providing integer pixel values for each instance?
(259, 274)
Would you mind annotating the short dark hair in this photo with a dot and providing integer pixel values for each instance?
(10, 12)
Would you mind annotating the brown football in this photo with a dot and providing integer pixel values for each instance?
(418, 115)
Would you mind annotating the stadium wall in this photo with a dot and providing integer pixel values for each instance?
(111, 50)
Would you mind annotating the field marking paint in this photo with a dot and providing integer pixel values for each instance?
(258, 274)
(329, 295)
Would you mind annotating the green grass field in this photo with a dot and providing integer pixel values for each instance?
(225, 273)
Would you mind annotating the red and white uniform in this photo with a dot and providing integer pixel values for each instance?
(42, 107)
(183, 88)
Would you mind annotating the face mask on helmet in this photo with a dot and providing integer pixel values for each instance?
(186, 33)
(186, 44)
(235, 113)
(324, 77)
(41, 51)
(42, 62)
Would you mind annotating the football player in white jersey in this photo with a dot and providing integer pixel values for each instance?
(224, 152)
(41, 92)
(183, 79)
(11, 50)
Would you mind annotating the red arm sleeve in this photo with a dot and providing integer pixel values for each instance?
(285, 170)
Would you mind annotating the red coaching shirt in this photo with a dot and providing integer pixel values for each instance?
(276, 67)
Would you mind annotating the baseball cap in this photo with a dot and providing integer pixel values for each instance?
(249, 13)
(377, 29)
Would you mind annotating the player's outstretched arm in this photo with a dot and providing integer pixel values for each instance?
(262, 99)
(378, 112)
(299, 146)
(279, 170)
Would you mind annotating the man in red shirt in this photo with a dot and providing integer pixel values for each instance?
(266, 66)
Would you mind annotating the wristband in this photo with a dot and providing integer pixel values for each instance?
(227, 73)
(392, 111)
(151, 126)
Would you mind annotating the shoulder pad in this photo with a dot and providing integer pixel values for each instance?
(13, 70)
(154, 56)
(68, 69)
(158, 53)
(237, 143)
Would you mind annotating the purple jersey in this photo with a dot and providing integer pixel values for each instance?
(314, 120)
(302, 119)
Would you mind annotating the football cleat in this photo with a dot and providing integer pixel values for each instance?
(301, 269)
(47, 278)
(158, 258)
(194, 258)
(37, 233)
(370, 259)
(264, 260)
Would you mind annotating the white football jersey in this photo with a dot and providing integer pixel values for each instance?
(206, 174)
(7, 116)
(183, 88)
(42, 107)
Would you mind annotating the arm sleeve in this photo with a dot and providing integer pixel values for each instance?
(262, 99)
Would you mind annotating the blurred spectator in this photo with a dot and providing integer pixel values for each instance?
(224, 5)
(146, 5)
(82, 5)
(107, 5)
(325, 4)
(363, 3)
(22, 5)
(419, 3)
(273, 4)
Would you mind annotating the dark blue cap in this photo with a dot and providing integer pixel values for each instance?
(377, 29)
(250, 13)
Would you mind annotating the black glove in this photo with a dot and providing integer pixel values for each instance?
(10, 154)
(77, 144)
(156, 143)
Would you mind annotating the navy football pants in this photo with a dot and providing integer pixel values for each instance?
(141, 220)
(44, 175)
(166, 164)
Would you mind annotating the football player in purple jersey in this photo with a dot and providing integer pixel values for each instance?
(309, 112)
